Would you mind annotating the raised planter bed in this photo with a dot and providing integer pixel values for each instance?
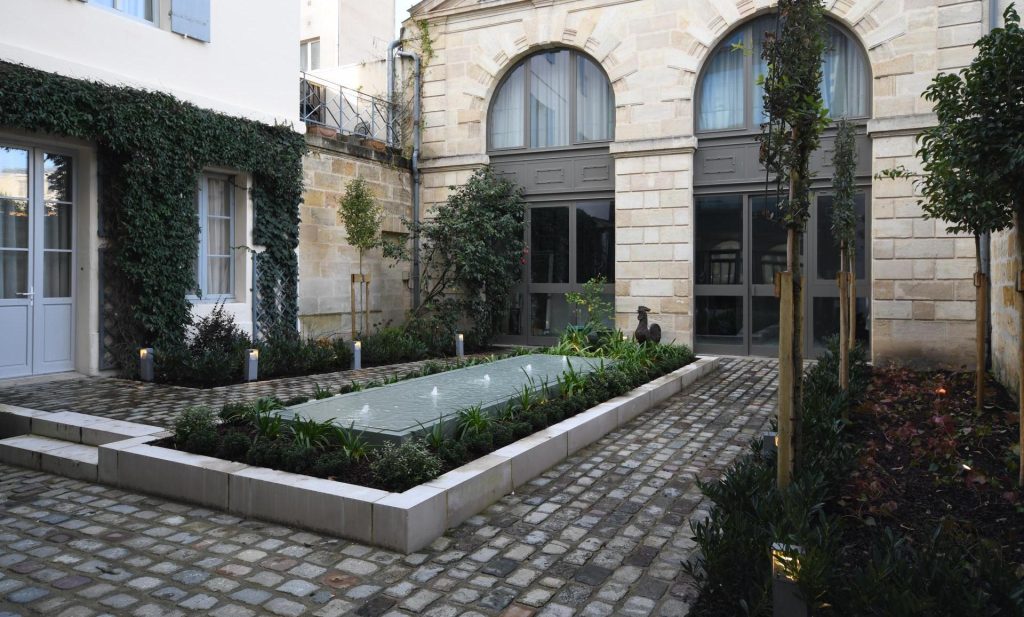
(404, 521)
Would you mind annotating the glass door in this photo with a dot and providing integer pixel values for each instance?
(15, 263)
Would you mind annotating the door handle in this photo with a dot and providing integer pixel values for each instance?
(27, 293)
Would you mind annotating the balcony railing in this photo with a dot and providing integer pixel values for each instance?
(349, 111)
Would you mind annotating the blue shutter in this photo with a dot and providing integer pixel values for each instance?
(191, 18)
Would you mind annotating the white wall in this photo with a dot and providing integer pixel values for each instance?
(365, 28)
(247, 69)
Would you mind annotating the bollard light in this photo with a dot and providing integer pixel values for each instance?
(357, 355)
(769, 444)
(787, 601)
(146, 365)
(460, 345)
(252, 363)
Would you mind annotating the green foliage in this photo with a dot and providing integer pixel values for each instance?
(351, 442)
(269, 426)
(793, 103)
(282, 354)
(361, 215)
(392, 345)
(151, 149)
(234, 445)
(193, 420)
(332, 464)
(844, 163)
(591, 301)
(213, 356)
(321, 393)
(471, 258)
(311, 434)
(399, 468)
(472, 421)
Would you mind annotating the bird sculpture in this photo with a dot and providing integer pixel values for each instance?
(645, 333)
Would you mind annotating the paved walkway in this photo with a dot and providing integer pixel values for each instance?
(159, 404)
(605, 533)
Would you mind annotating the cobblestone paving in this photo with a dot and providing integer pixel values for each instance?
(159, 404)
(605, 533)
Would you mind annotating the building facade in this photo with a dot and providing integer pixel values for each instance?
(631, 125)
(346, 42)
(221, 56)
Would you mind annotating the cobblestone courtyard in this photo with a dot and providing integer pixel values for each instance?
(603, 533)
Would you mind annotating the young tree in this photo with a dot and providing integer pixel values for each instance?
(974, 157)
(797, 117)
(362, 216)
(844, 230)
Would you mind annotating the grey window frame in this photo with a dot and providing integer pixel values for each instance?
(573, 91)
(306, 53)
(749, 126)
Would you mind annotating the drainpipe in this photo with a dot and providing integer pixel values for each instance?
(416, 180)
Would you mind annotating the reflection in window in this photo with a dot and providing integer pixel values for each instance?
(594, 106)
(549, 99)
(768, 240)
(508, 115)
(720, 320)
(721, 96)
(549, 314)
(549, 245)
(719, 240)
(595, 241)
(828, 248)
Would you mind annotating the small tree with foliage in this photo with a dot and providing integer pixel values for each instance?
(844, 230)
(362, 216)
(797, 118)
(473, 247)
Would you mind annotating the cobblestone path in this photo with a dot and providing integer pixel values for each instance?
(159, 404)
(605, 533)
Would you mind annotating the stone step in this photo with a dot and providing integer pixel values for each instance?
(89, 430)
(57, 456)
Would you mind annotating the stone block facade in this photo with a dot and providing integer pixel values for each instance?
(922, 296)
(326, 260)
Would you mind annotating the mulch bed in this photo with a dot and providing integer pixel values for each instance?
(926, 459)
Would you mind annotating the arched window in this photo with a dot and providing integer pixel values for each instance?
(730, 99)
(552, 99)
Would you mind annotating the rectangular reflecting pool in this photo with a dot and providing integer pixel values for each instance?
(398, 411)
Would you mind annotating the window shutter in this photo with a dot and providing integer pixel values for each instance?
(191, 18)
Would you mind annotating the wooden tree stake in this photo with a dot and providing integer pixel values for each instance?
(981, 328)
(785, 419)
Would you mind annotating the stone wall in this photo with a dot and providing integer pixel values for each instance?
(652, 51)
(326, 261)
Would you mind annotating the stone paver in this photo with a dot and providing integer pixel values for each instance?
(614, 534)
(160, 404)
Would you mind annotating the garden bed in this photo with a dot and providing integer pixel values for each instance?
(404, 517)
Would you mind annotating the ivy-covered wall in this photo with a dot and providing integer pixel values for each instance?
(151, 148)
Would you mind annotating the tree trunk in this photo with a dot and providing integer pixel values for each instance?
(852, 285)
(797, 387)
(981, 327)
(843, 280)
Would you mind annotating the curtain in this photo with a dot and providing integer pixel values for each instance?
(844, 77)
(549, 99)
(507, 113)
(143, 9)
(721, 93)
(759, 29)
(595, 108)
(218, 234)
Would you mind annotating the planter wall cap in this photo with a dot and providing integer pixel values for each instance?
(525, 444)
(22, 411)
(184, 458)
(468, 471)
(310, 483)
(409, 521)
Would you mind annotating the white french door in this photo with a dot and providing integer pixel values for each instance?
(36, 261)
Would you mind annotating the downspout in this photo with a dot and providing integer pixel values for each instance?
(986, 239)
(417, 103)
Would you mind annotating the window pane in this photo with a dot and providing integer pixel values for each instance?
(721, 90)
(764, 321)
(143, 9)
(57, 226)
(719, 241)
(314, 55)
(57, 172)
(13, 172)
(549, 101)
(217, 197)
(768, 241)
(507, 114)
(595, 111)
(511, 319)
(595, 241)
(218, 276)
(759, 29)
(303, 57)
(826, 321)
(549, 245)
(720, 320)
(218, 236)
(13, 223)
(57, 274)
(844, 77)
(13, 274)
(107, 3)
(828, 248)
(549, 314)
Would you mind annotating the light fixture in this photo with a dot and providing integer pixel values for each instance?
(357, 355)
(146, 364)
(787, 601)
(460, 346)
(769, 444)
(252, 364)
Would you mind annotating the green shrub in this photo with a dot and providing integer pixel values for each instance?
(266, 453)
(202, 441)
(284, 354)
(453, 453)
(295, 400)
(392, 345)
(478, 444)
(193, 420)
(332, 464)
(501, 434)
(235, 413)
(213, 355)
(521, 429)
(298, 458)
(399, 468)
(234, 445)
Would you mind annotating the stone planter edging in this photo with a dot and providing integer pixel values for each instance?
(404, 521)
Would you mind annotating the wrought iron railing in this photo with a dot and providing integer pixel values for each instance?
(349, 111)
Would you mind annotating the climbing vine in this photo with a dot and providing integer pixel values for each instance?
(151, 148)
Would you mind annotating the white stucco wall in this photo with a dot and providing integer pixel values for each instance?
(247, 69)
(354, 35)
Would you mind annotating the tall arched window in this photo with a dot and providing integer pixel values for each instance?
(552, 99)
(729, 97)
